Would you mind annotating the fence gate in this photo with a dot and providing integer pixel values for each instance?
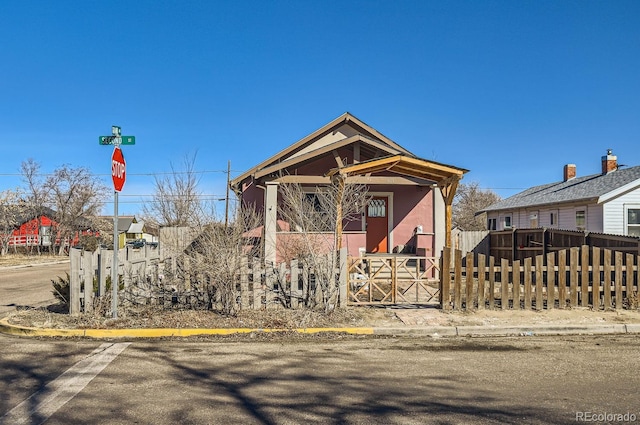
(392, 279)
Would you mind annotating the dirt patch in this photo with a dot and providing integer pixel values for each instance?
(11, 260)
(183, 319)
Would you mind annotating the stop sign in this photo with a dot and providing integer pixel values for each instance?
(118, 169)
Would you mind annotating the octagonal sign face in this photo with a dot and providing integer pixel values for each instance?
(118, 169)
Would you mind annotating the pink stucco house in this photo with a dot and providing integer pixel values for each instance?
(410, 211)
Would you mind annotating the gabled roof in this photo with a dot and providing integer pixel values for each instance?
(596, 188)
(307, 147)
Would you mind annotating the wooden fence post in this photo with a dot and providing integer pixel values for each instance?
(87, 274)
(515, 273)
(244, 283)
(295, 292)
(469, 282)
(595, 267)
(539, 283)
(504, 284)
(492, 283)
(562, 279)
(74, 281)
(445, 279)
(573, 288)
(551, 280)
(630, 277)
(457, 282)
(527, 283)
(584, 265)
(607, 279)
(258, 290)
(482, 269)
(618, 282)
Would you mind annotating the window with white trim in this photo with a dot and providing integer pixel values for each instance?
(581, 219)
(491, 224)
(507, 222)
(633, 222)
(533, 220)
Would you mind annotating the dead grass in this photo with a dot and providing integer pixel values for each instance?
(183, 319)
(23, 259)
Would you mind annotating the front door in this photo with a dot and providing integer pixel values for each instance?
(377, 225)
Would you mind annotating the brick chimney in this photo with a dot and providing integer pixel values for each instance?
(609, 162)
(569, 171)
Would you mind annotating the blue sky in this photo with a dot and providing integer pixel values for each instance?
(511, 90)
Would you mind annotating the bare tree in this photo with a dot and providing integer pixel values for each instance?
(177, 200)
(36, 192)
(319, 216)
(76, 197)
(215, 260)
(468, 201)
(10, 212)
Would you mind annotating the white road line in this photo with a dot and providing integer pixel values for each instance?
(45, 402)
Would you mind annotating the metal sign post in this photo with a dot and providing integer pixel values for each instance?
(118, 175)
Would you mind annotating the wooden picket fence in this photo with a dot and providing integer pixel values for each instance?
(176, 283)
(90, 270)
(585, 277)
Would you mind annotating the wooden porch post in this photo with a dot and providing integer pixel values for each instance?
(448, 188)
(270, 223)
(339, 196)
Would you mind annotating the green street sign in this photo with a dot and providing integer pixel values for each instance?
(111, 140)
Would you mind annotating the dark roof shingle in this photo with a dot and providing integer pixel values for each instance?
(577, 189)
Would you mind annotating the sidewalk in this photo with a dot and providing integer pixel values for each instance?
(428, 322)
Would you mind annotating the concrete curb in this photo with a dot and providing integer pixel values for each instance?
(7, 328)
(431, 331)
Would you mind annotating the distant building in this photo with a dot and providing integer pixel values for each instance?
(608, 202)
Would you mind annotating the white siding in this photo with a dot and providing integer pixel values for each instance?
(614, 212)
(594, 219)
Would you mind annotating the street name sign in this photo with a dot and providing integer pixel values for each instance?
(112, 140)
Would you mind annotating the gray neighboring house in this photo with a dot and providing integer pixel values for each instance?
(608, 202)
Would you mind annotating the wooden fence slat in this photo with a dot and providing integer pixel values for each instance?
(492, 283)
(457, 280)
(244, 283)
(629, 277)
(258, 289)
(294, 290)
(551, 280)
(595, 278)
(504, 284)
(618, 280)
(516, 284)
(562, 278)
(527, 283)
(482, 269)
(469, 282)
(607, 278)
(445, 280)
(584, 266)
(539, 283)
(573, 288)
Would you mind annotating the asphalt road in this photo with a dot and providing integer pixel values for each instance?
(28, 286)
(531, 380)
